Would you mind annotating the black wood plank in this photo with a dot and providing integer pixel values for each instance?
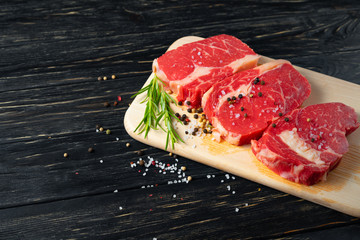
(180, 211)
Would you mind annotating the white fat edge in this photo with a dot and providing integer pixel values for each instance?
(298, 145)
(158, 72)
(197, 73)
(206, 96)
(241, 64)
(289, 175)
(271, 65)
(265, 154)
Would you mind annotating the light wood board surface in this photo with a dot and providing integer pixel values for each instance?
(341, 190)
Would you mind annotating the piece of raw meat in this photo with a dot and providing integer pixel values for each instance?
(304, 145)
(191, 69)
(241, 106)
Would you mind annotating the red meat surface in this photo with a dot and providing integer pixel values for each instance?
(191, 69)
(280, 89)
(307, 146)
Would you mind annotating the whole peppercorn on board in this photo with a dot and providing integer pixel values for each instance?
(341, 190)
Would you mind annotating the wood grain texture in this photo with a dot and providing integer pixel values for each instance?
(51, 56)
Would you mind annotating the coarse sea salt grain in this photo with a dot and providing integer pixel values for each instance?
(115, 191)
(237, 209)
(120, 208)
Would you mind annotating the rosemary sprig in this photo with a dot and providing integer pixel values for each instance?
(158, 110)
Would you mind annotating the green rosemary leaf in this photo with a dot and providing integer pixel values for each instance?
(158, 111)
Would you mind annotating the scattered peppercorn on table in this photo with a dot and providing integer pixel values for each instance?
(68, 168)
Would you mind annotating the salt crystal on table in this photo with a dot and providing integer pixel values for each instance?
(236, 209)
(115, 191)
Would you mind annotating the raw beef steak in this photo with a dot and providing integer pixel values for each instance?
(304, 145)
(190, 70)
(241, 106)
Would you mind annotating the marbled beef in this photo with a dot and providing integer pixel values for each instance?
(240, 107)
(304, 145)
(191, 69)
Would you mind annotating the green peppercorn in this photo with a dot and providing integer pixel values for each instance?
(251, 95)
(273, 125)
(259, 94)
(188, 102)
(180, 103)
(228, 99)
(280, 114)
(108, 131)
(233, 98)
(240, 96)
(286, 119)
(196, 116)
(242, 108)
(245, 115)
(313, 139)
(262, 82)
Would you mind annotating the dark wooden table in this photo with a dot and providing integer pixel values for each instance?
(53, 52)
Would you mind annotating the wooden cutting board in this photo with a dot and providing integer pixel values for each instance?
(341, 190)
